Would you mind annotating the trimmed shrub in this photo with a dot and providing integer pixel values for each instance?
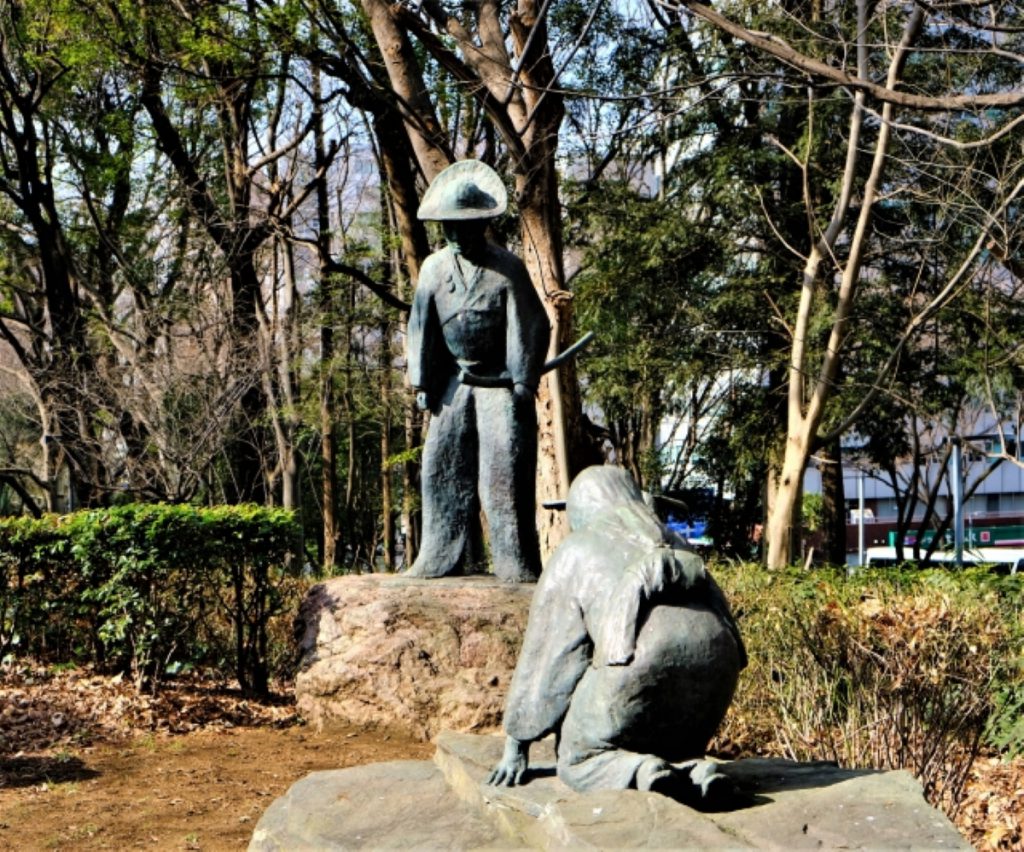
(150, 588)
(35, 589)
(885, 669)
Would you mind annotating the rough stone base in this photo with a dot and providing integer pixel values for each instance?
(400, 805)
(416, 804)
(420, 655)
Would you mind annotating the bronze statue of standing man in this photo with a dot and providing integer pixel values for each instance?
(477, 337)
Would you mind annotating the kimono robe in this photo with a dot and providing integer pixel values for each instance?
(630, 653)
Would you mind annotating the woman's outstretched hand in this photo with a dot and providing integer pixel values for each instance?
(510, 770)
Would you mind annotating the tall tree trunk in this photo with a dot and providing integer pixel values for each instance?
(64, 366)
(397, 171)
(277, 336)
(328, 446)
(833, 500)
(249, 453)
(428, 139)
(538, 118)
(328, 449)
(542, 253)
(782, 529)
(387, 516)
(411, 515)
(290, 347)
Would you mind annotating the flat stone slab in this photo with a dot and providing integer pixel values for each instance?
(404, 804)
(417, 804)
(798, 805)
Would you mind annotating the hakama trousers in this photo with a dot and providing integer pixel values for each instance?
(481, 451)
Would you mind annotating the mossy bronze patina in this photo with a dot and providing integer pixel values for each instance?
(477, 338)
(631, 655)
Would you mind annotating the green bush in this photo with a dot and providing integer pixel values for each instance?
(149, 588)
(35, 588)
(888, 669)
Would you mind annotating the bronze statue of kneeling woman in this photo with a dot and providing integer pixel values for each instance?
(631, 655)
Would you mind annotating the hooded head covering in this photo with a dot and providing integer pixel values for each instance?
(607, 502)
(467, 189)
(598, 489)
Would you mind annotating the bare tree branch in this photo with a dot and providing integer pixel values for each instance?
(777, 47)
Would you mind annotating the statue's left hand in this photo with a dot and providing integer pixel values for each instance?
(510, 770)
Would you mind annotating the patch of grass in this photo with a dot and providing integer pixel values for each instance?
(146, 742)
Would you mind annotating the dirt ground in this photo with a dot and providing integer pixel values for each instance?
(80, 770)
(86, 763)
(202, 790)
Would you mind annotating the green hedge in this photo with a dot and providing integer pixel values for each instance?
(149, 588)
(888, 668)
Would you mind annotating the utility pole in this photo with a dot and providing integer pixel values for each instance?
(958, 502)
(860, 518)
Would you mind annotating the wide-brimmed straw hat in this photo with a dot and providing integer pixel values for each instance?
(467, 189)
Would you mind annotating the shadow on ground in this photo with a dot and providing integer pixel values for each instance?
(32, 771)
(774, 775)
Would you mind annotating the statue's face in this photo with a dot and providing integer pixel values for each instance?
(465, 236)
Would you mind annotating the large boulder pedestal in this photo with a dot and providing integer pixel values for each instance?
(410, 654)
(427, 655)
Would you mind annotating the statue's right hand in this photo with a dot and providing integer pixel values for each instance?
(422, 400)
(510, 770)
